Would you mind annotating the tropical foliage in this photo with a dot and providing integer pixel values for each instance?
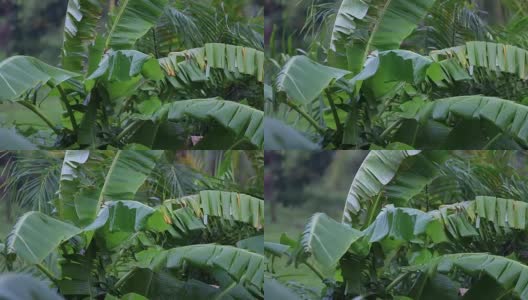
(427, 74)
(417, 225)
(134, 225)
(144, 74)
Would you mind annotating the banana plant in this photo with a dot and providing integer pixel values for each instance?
(414, 247)
(105, 240)
(374, 86)
(114, 85)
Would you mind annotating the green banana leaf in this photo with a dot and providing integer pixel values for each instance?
(80, 29)
(227, 205)
(508, 117)
(457, 62)
(163, 285)
(392, 176)
(344, 24)
(389, 23)
(243, 266)
(194, 64)
(276, 290)
(303, 80)
(131, 20)
(397, 66)
(393, 226)
(318, 239)
(69, 184)
(406, 225)
(243, 120)
(129, 217)
(21, 74)
(450, 223)
(23, 286)
(463, 219)
(36, 235)
(253, 244)
(128, 171)
(499, 276)
(505, 212)
(279, 136)
(124, 65)
(11, 140)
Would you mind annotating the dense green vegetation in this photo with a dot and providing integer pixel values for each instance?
(134, 225)
(428, 74)
(415, 225)
(142, 74)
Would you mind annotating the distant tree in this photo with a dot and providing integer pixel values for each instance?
(32, 27)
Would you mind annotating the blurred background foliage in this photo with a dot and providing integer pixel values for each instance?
(32, 27)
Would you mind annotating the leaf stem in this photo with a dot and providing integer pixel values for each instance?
(44, 270)
(493, 140)
(374, 210)
(64, 99)
(389, 129)
(132, 126)
(396, 281)
(339, 127)
(226, 291)
(315, 270)
(37, 111)
(313, 122)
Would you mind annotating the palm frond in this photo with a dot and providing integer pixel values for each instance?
(31, 180)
